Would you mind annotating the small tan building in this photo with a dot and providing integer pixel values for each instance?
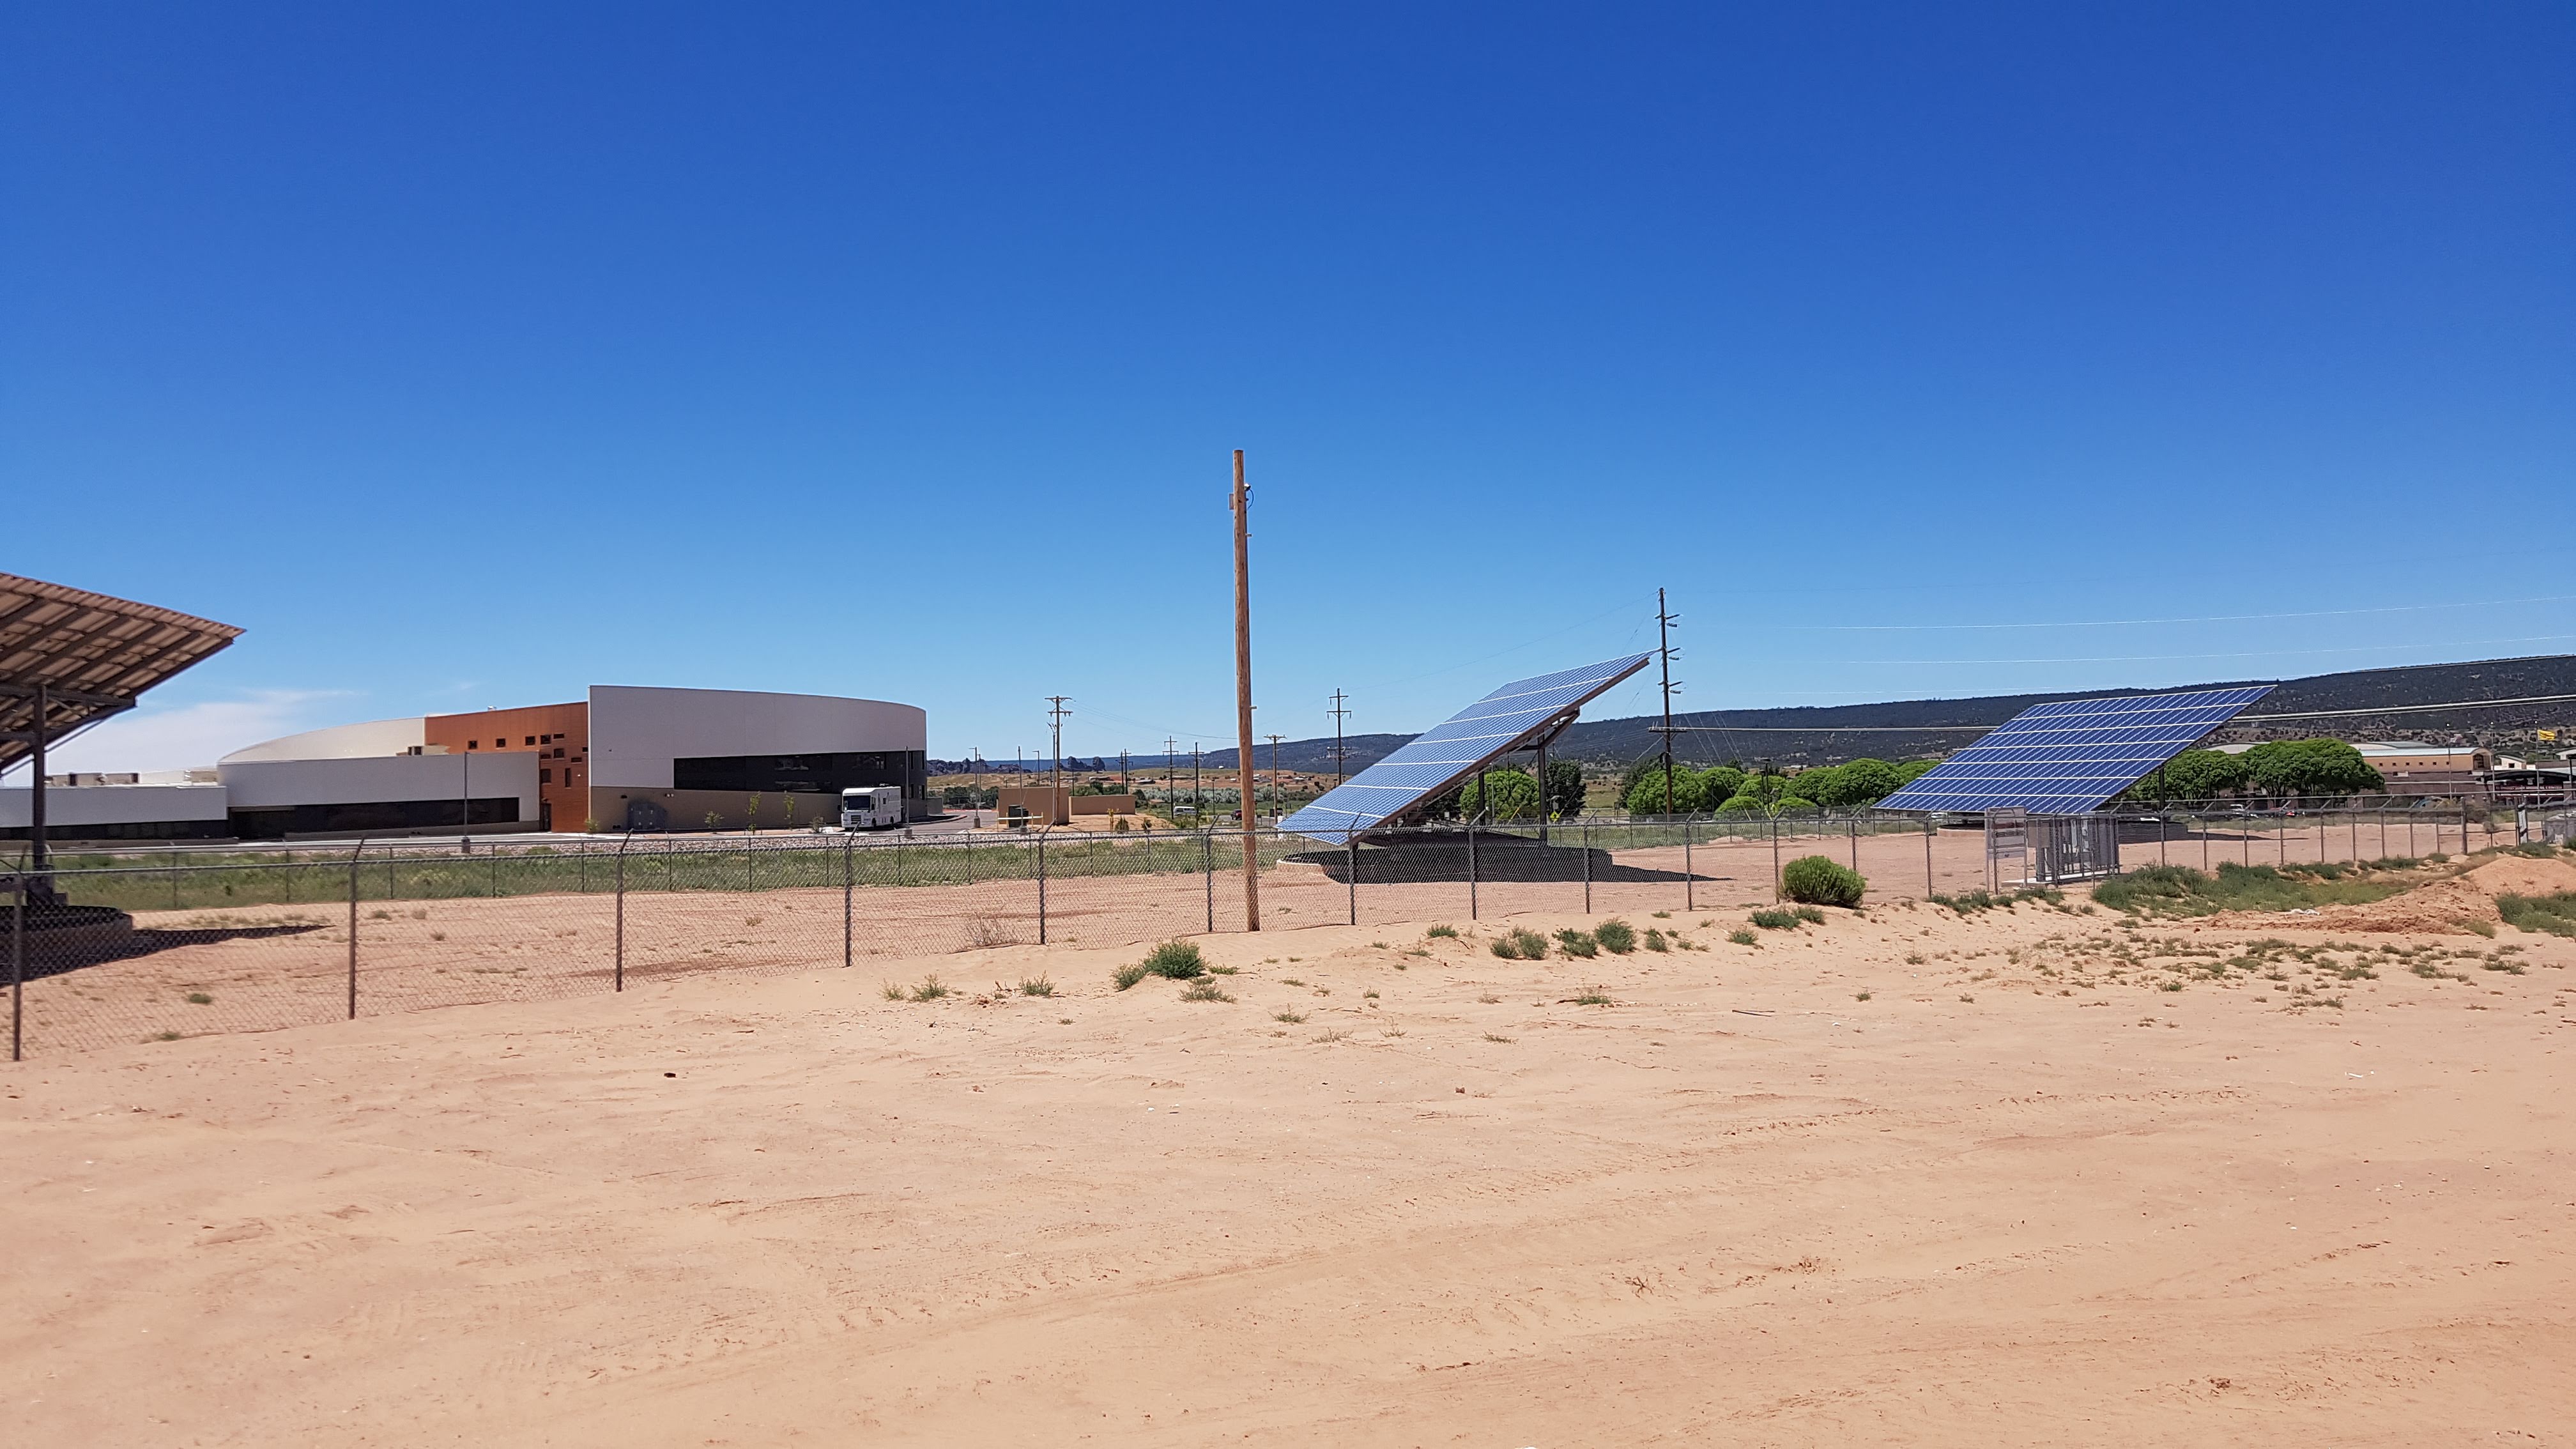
(2412, 767)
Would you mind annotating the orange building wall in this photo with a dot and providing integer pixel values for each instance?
(558, 734)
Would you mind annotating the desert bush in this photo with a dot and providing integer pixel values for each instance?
(1177, 960)
(1819, 881)
(1578, 943)
(1616, 937)
(1126, 976)
(1204, 989)
(2555, 914)
(1770, 920)
(1655, 940)
(1743, 937)
(1036, 986)
(1437, 932)
(1520, 944)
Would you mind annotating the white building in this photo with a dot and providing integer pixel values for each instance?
(623, 758)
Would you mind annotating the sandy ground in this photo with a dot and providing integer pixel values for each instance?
(2021, 1193)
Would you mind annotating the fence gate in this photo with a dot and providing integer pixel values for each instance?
(2074, 847)
(2007, 847)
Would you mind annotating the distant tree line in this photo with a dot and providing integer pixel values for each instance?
(1730, 790)
(2276, 769)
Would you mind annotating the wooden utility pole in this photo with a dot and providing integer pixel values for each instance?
(1664, 651)
(1243, 692)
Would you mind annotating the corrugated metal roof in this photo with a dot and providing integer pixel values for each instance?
(93, 654)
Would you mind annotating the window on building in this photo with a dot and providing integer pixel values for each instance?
(532, 739)
(545, 777)
(473, 744)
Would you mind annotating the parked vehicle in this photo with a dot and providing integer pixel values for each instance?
(872, 807)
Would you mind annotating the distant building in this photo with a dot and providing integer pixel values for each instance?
(2412, 767)
(622, 759)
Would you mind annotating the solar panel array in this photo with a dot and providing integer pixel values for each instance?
(2070, 756)
(1448, 753)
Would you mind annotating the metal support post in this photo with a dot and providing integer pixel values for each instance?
(353, 928)
(1690, 876)
(1353, 876)
(17, 959)
(848, 844)
(1587, 869)
(1207, 874)
(623, 841)
(1775, 857)
(1471, 870)
(2160, 837)
(1855, 843)
(1042, 940)
(1929, 828)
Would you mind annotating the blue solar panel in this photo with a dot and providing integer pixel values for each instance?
(1452, 750)
(2070, 756)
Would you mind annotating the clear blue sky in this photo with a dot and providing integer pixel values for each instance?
(471, 355)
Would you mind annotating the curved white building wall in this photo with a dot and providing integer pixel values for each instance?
(339, 742)
(635, 733)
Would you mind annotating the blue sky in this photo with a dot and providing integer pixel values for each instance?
(471, 355)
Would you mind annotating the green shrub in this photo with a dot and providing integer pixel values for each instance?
(1451, 932)
(1655, 940)
(1743, 805)
(1616, 937)
(1126, 976)
(1204, 989)
(1776, 920)
(1531, 945)
(1818, 881)
(2555, 914)
(1578, 943)
(1176, 960)
(2172, 888)
(1743, 937)
(1809, 913)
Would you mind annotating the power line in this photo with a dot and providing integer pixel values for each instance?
(2200, 618)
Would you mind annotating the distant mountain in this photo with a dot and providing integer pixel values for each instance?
(1906, 729)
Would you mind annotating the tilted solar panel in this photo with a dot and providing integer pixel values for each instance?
(2070, 756)
(1453, 749)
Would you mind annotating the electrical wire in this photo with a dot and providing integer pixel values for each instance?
(2199, 619)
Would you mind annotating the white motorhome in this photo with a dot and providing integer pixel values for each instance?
(872, 807)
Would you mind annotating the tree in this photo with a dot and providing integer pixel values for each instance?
(1646, 793)
(2195, 775)
(2310, 767)
(1912, 770)
(1764, 789)
(1854, 782)
(1718, 784)
(1512, 793)
(1564, 790)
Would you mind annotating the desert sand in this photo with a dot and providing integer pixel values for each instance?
(1900, 1178)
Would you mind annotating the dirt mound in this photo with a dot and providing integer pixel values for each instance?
(2449, 905)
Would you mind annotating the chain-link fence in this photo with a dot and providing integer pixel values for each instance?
(115, 949)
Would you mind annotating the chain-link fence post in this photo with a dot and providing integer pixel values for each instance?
(17, 957)
(1471, 870)
(623, 842)
(1587, 867)
(1207, 876)
(848, 844)
(1352, 844)
(1042, 940)
(1775, 857)
(1690, 873)
(353, 927)
(1929, 829)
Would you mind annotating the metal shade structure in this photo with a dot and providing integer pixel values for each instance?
(2071, 756)
(85, 656)
(1524, 714)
